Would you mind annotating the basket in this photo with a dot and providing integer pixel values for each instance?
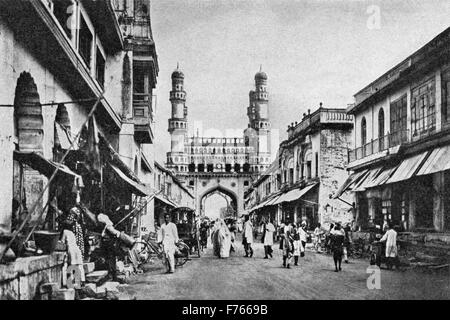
(46, 240)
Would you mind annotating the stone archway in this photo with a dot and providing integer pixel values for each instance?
(233, 204)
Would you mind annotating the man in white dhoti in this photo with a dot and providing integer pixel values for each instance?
(169, 233)
(390, 237)
(269, 229)
(248, 237)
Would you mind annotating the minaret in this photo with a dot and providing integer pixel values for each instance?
(177, 158)
(258, 132)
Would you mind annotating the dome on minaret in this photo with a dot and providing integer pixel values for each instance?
(177, 73)
(261, 75)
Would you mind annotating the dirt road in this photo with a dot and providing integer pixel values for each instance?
(238, 278)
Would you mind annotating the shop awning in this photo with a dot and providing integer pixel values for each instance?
(166, 201)
(407, 168)
(134, 186)
(267, 202)
(439, 160)
(381, 178)
(367, 180)
(294, 194)
(351, 181)
(46, 167)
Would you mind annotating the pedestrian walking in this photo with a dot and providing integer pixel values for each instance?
(268, 231)
(288, 247)
(328, 238)
(318, 237)
(303, 238)
(281, 233)
(337, 243)
(390, 237)
(297, 244)
(247, 238)
(347, 242)
(169, 233)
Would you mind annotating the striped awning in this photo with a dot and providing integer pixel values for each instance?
(367, 180)
(407, 168)
(351, 182)
(381, 178)
(439, 160)
(294, 194)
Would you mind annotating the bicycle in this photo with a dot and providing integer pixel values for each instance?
(357, 249)
(145, 249)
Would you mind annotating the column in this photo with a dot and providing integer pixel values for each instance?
(412, 213)
(438, 201)
(438, 102)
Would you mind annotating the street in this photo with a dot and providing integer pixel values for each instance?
(255, 278)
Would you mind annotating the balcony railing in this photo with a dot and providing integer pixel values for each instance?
(378, 145)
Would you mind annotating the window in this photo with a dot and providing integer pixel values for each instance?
(446, 96)
(398, 120)
(100, 68)
(267, 188)
(423, 110)
(192, 183)
(316, 155)
(381, 144)
(85, 42)
(246, 183)
(363, 132)
(308, 165)
(381, 123)
(169, 189)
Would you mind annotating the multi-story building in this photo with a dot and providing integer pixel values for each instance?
(170, 193)
(60, 60)
(311, 167)
(401, 143)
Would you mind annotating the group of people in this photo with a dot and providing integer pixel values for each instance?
(293, 242)
(293, 239)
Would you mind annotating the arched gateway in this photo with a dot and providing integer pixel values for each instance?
(224, 165)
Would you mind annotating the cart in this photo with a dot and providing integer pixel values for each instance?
(188, 230)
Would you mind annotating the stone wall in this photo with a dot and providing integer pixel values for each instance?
(21, 279)
(333, 159)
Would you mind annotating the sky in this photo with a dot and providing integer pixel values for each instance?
(312, 50)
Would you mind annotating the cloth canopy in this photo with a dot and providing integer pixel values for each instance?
(351, 181)
(381, 178)
(135, 187)
(439, 160)
(166, 201)
(407, 168)
(294, 194)
(367, 179)
(46, 167)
